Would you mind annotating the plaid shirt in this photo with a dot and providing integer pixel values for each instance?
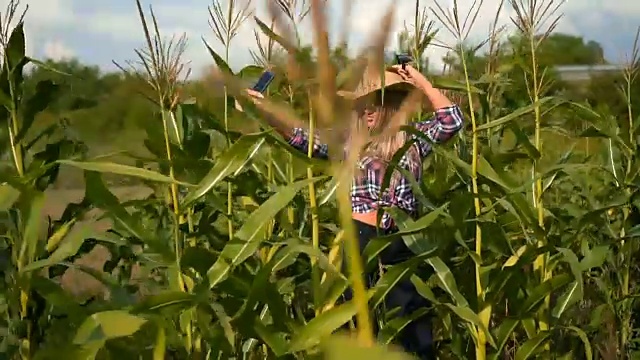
(365, 189)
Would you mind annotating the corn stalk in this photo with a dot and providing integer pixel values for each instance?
(460, 30)
(630, 74)
(530, 16)
(163, 70)
(225, 26)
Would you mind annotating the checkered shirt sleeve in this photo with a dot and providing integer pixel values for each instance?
(403, 191)
(299, 139)
(443, 126)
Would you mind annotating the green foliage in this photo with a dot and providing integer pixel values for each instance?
(267, 289)
(609, 92)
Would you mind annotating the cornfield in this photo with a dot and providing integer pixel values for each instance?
(525, 247)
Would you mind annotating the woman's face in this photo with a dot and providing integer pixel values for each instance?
(370, 107)
(371, 115)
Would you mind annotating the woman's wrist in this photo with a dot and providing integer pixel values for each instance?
(425, 85)
(427, 88)
(436, 97)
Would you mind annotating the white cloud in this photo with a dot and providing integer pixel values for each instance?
(51, 12)
(40, 18)
(625, 7)
(174, 20)
(123, 26)
(120, 26)
(57, 50)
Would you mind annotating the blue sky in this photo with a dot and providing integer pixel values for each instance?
(98, 32)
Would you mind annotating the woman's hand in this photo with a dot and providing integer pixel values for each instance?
(254, 94)
(412, 75)
(255, 97)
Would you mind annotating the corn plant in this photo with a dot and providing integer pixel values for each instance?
(612, 321)
(524, 246)
(26, 245)
(225, 25)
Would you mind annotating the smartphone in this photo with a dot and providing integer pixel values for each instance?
(263, 83)
(403, 59)
(393, 58)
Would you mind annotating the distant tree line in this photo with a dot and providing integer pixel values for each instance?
(106, 108)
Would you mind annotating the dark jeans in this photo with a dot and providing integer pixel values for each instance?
(416, 337)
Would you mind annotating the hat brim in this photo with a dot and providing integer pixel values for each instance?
(394, 86)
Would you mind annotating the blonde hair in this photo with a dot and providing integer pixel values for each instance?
(383, 144)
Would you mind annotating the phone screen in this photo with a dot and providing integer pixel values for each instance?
(264, 81)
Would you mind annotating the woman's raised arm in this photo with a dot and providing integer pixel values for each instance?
(444, 125)
(448, 119)
(296, 137)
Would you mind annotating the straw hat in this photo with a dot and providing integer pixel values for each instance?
(372, 82)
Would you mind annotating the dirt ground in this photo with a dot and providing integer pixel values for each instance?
(75, 281)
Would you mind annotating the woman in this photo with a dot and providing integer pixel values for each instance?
(376, 114)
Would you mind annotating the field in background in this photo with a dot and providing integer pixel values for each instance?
(77, 282)
(525, 244)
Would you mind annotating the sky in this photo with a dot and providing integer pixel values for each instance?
(100, 32)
